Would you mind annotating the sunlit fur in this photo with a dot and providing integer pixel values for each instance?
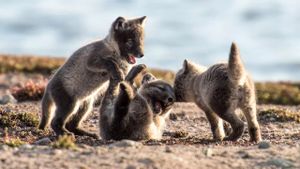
(71, 91)
(219, 91)
(139, 117)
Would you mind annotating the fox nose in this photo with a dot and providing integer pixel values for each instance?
(140, 55)
(170, 99)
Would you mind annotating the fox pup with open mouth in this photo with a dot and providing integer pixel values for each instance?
(70, 94)
(136, 114)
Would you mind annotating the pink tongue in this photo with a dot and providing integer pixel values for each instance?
(132, 59)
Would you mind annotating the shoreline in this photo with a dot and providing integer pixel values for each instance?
(27, 67)
(31, 63)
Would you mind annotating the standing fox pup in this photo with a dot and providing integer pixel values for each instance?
(219, 91)
(127, 113)
(73, 87)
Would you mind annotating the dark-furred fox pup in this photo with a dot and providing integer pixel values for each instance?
(70, 94)
(219, 91)
(136, 114)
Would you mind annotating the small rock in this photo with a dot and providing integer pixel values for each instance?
(26, 146)
(121, 159)
(146, 161)
(87, 153)
(43, 141)
(173, 117)
(168, 149)
(7, 99)
(208, 152)
(4, 147)
(224, 154)
(83, 167)
(72, 155)
(131, 167)
(15, 149)
(32, 155)
(56, 152)
(280, 163)
(264, 145)
(244, 154)
(3, 160)
(126, 143)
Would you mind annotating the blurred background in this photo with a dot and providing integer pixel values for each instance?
(267, 31)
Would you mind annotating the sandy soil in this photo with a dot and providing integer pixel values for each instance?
(186, 144)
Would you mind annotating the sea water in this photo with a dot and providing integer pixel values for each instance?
(267, 31)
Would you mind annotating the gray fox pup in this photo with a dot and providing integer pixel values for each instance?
(70, 94)
(219, 91)
(136, 114)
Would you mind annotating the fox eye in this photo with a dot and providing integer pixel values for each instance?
(161, 88)
(129, 42)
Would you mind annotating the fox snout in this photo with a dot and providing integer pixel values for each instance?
(170, 99)
(140, 53)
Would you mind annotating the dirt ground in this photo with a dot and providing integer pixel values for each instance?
(187, 143)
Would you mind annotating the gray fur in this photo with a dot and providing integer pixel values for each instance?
(84, 76)
(219, 91)
(127, 113)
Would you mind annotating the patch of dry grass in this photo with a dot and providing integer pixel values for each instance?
(278, 93)
(29, 64)
(31, 91)
(11, 119)
(279, 115)
(12, 142)
(64, 142)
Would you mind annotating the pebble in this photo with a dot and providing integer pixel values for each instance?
(15, 149)
(26, 146)
(280, 163)
(146, 161)
(43, 141)
(56, 152)
(208, 152)
(168, 149)
(126, 143)
(264, 145)
(7, 99)
(244, 154)
(131, 167)
(4, 147)
(224, 154)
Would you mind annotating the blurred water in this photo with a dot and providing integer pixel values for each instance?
(267, 31)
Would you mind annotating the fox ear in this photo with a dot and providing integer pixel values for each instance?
(185, 66)
(142, 20)
(148, 78)
(120, 23)
(139, 21)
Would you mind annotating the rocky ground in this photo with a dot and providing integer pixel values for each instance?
(186, 142)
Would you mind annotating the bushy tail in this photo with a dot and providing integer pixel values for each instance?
(235, 66)
(47, 104)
